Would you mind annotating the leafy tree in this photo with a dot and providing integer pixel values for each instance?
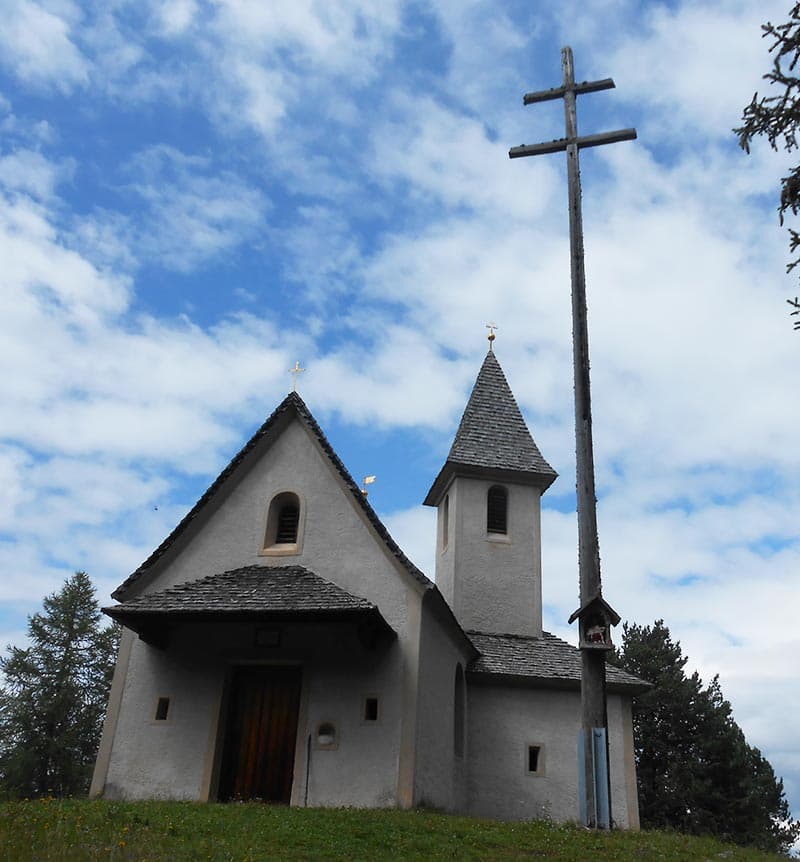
(778, 118)
(54, 693)
(696, 772)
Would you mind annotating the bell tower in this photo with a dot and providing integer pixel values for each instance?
(488, 496)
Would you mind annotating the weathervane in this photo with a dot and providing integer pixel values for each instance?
(594, 780)
(492, 327)
(295, 371)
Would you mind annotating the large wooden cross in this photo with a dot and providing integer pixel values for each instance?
(595, 801)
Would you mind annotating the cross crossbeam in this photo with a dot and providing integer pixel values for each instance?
(558, 92)
(584, 141)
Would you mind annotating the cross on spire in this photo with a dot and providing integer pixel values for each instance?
(294, 372)
(492, 327)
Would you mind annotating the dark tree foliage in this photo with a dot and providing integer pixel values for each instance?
(696, 772)
(778, 118)
(54, 693)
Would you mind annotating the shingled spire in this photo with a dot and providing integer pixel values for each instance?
(488, 497)
(492, 438)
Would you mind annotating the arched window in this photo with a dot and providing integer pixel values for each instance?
(283, 520)
(445, 521)
(459, 709)
(497, 510)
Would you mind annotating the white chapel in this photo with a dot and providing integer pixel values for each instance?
(278, 645)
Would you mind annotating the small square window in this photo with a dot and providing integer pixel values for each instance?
(371, 709)
(162, 709)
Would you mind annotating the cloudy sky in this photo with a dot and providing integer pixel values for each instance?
(194, 195)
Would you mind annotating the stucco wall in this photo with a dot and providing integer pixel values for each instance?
(373, 764)
(503, 722)
(440, 778)
(337, 545)
(179, 758)
(492, 582)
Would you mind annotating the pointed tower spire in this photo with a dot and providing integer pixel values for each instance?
(488, 549)
(493, 438)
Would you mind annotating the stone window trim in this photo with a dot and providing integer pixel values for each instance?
(534, 757)
(276, 525)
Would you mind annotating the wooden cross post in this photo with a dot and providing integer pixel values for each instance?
(595, 782)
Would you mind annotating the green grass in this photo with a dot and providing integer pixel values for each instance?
(54, 830)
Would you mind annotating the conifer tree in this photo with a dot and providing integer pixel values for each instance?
(53, 695)
(777, 118)
(696, 771)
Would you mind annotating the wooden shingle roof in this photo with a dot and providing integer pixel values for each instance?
(492, 438)
(547, 661)
(251, 592)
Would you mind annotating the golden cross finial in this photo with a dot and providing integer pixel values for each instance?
(295, 371)
(492, 327)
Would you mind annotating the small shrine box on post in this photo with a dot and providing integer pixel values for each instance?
(595, 620)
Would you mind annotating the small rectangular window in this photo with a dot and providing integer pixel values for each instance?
(535, 760)
(267, 637)
(162, 709)
(371, 709)
(497, 510)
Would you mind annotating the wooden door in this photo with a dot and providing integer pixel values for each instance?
(258, 753)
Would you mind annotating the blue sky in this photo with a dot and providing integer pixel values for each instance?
(195, 195)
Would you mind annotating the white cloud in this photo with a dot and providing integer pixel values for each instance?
(191, 214)
(174, 16)
(29, 171)
(41, 274)
(415, 531)
(677, 64)
(447, 158)
(36, 44)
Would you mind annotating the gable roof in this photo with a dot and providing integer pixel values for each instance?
(291, 406)
(546, 661)
(264, 592)
(492, 437)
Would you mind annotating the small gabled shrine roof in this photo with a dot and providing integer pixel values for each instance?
(291, 406)
(597, 603)
(492, 438)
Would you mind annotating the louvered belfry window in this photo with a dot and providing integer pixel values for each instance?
(288, 517)
(283, 520)
(497, 510)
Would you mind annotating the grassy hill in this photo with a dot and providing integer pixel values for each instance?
(53, 830)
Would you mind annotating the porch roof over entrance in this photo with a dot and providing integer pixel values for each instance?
(257, 593)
